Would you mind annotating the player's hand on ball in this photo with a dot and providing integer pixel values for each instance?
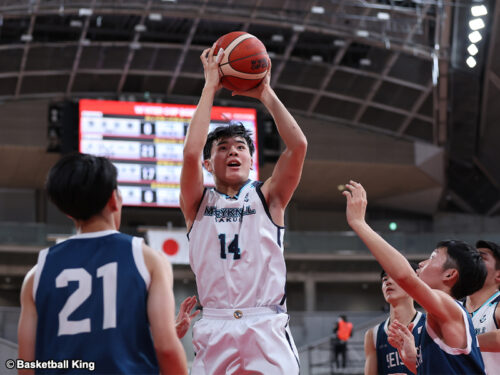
(211, 67)
(258, 91)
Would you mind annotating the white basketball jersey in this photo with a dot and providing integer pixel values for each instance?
(483, 320)
(236, 251)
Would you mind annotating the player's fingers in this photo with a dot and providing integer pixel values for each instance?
(348, 195)
(211, 53)
(350, 187)
(195, 314)
(220, 55)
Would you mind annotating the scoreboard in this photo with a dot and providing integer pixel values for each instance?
(145, 142)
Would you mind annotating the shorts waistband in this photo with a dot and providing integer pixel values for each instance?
(239, 313)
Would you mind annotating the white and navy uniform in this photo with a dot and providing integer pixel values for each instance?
(484, 321)
(388, 359)
(90, 293)
(436, 358)
(236, 253)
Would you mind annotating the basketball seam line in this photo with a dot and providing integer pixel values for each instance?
(242, 58)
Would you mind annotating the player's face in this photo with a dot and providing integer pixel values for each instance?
(392, 291)
(493, 276)
(230, 161)
(431, 270)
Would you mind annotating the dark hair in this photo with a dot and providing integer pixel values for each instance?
(227, 131)
(80, 185)
(343, 317)
(412, 264)
(469, 264)
(495, 250)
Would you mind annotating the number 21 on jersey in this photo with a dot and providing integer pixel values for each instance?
(109, 273)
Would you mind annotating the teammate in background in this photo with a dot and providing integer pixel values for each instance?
(381, 357)
(101, 296)
(343, 332)
(483, 307)
(447, 344)
(236, 238)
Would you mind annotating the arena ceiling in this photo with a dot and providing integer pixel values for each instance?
(381, 65)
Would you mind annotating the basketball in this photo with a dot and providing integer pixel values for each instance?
(245, 62)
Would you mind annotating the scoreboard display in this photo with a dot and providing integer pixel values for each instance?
(145, 142)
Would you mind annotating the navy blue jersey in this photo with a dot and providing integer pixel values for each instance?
(91, 293)
(437, 358)
(388, 360)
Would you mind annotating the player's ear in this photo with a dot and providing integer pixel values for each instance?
(497, 276)
(451, 274)
(208, 165)
(114, 201)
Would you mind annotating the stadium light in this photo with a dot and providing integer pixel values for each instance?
(471, 62)
(472, 49)
(479, 10)
(475, 36)
(476, 24)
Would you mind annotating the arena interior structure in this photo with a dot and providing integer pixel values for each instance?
(400, 95)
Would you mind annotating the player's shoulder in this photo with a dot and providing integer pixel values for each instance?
(155, 259)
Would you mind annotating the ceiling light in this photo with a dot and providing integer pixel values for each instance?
(479, 10)
(318, 10)
(84, 12)
(277, 38)
(317, 58)
(154, 17)
(383, 16)
(476, 24)
(472, 49)
(475, 36)
(362, 33)
(365, 62)
(471, 62)
(339, 43)
(135, 45)
(140, 28)
(75, 23)
(298, 28)
(26, 38)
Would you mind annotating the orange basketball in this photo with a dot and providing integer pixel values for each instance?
(245, 62)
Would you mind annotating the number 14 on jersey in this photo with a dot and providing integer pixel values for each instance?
(232, 248)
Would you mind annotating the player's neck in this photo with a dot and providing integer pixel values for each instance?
(403, 311)
(95, 224)
(230, 189)
(476, 300)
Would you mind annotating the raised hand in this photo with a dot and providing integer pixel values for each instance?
(184, 318)
(258, 91)
(356, 203)
(211, 67)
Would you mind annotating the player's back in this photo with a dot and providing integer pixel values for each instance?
(236, 251)
(435, 357)
(90, 293)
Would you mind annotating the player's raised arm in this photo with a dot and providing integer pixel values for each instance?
(437, 303)
(279, 188)
(192, 173)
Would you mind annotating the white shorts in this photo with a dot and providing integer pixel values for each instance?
(244, 341)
